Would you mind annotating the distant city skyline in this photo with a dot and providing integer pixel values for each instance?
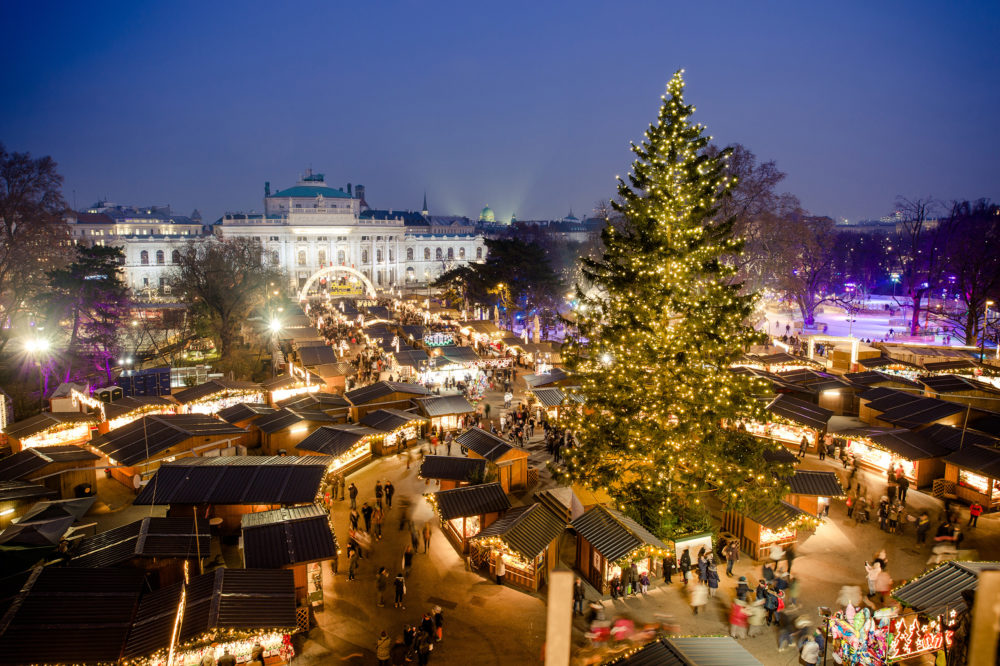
(528, 109)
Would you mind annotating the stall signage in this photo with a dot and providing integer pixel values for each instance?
(910, 637)
(438, 340)
(345, 289)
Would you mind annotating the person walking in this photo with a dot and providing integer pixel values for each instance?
(397, 653)
(226, 659)
(810, 651)
(668, 568)
(382, 647)
(501, 569)
(923, 525)
(703, 567)
(685, 564)
(578, 596)
(407, 559)
(644, 582)
(770, 604)
(378, 494)
(399, 586)
(390, 490)
(699, 597)
(738, 619)
(974, 512)
(427, 536)
(790, 554)
(872, 572)
(438, 616)
(381, 582)
(732, 556)
(712, 578)
(803, 445)
(742, 589)
(352, 567)
(352, 491)
(354, 516)
(366, 513)
(904, 488)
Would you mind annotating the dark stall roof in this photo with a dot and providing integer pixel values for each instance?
(144, 438)
(780, 455)
(457, 354)
(690, 651)
(613, 534)
(410, 357)
(69, 615)
(236, 480)
(951, 366)
(777, 516)
(378, 390)
(444, 405)
(24, 464)
(286, 381)
(294, 535)
(956, 384)
(244, 411)
(982, 459)
(329, 370)
(882, 398)
(483, 443)
(823, 484)
(812, 380)
(128, 404)
(286, 418)
(551, 377)
(527, 530)
(212, 387)
(778, 358)
(388, 420)
(323, 402)
(309, 356)
(44, 421)
(941, 588)
(471, 501)
(921, 412)
(242, 599)
(953, 439)
(549, 397)
(872, 377)
(800, 411)
(37, 532)
(487, 327)
(452, 468)
(76, 508)
(885, 362)
(910, 445)
(335, 440)
(149, 537)
(154, 621)
(21, 490)
(414, 331)
(379, 311)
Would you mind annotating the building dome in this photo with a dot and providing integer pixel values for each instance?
(487, 215)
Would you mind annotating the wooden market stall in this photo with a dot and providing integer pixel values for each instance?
(452, 471)
(527, 538)
(975, 473)
(813, 491)
(69, 470)
(510, 462)
(17, 497)
(244, 415)
(51, 429)
(134, 452)
(297, 538)
(283, 429)
(382, 395)
(758, 530)
(162, 548)
(331, 404)
(554, 377)
(821, 388)
(335, 376)
(293, 383)
(215, 395)
(902, 409)
(465, 511)
(228, 488)
(398, 430)
(447, 413)
(919, 456)
(349, 446)
(608, 540)
(963, 390)
(550, 402)
(688, 651)
(409, 363)
(792, 420)
(122, 411)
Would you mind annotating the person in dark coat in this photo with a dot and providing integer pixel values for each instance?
(703, 567)
(366, 512)
(352, 491)
(669, 567)
(427, 625)
(712, 578)
(742, 589)
(685, 564)
(390, 490)
(397, 653)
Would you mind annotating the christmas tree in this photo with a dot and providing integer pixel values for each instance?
(660, 325)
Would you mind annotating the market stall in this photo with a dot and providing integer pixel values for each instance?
(17, 497)
(686, 650)
(527, 538)
(903, 409)
(758, 530)
(398, 430)
(792, 420)
(69, 470)
(465, 511)
(215, 395)
(283, 429)
(51, 429)
(813, 491)
(607, 541)
(975, 472)
(510, 462)
(452, 471)
(348, 445)
(913, 454)
(447, 413)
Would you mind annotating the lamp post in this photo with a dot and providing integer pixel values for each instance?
(36, 347)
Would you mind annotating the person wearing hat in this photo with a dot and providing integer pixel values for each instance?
(742, 589)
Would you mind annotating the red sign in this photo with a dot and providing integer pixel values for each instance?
(910, 637)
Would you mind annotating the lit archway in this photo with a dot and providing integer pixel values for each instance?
(334, 270)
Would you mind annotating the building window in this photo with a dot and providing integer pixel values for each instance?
(438, 254)
(175, 257)
(302, 257)
(409, 254)
(390, 254)
(145, 282)
(274, 257)
(378, 256)
(479, 253)
(160, 259)
(364, 256)
(322, 258)
(340, 257)
(378, 277)
(451, 254)
(272, 238)
(427, 253)
(301, 239)
(461, 253)
(144, 258)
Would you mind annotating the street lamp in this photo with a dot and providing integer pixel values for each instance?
(894, 278)
(36, 347)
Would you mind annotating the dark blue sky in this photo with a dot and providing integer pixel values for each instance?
(528, 107)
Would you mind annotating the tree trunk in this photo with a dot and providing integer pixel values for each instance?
(918, 297)
(971, 326)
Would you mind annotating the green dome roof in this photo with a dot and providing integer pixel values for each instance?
(487, 215)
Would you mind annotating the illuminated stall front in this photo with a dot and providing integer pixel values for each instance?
(447, 413)
(466, 510)
(813, 491)
(217, 394)
(123, 411)
(399, 430)
(916, 455)
(527, 538)
(50, 429)
(409, 363)
(349, 445)
(792, 419)
(551, 401)
(975, 471)
(758, 530)
(296, 382)
(608, 541)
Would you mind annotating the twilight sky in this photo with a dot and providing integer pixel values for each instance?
(528, 107)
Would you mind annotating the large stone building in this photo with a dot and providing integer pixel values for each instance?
(303, 229)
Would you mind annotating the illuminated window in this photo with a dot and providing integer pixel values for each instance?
(461, 253)
(451, 253)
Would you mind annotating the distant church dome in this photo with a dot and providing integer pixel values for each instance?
(487, 215)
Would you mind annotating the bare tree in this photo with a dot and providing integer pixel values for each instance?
(916, 252)
(803, 260)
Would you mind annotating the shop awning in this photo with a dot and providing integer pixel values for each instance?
(236, 480)
(470, 501)
(941, 589)
(527, 530)
(613, 534)
(144, 438)
(777, 516)
(800, 411)
(452, 468)
(290, 535)
(821, 484)
(690, 651)
(980, 459)
(335, 440)
(486, 444)
(445, 405)
(150, 537)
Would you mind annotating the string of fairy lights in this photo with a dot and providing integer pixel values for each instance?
(664, 324)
